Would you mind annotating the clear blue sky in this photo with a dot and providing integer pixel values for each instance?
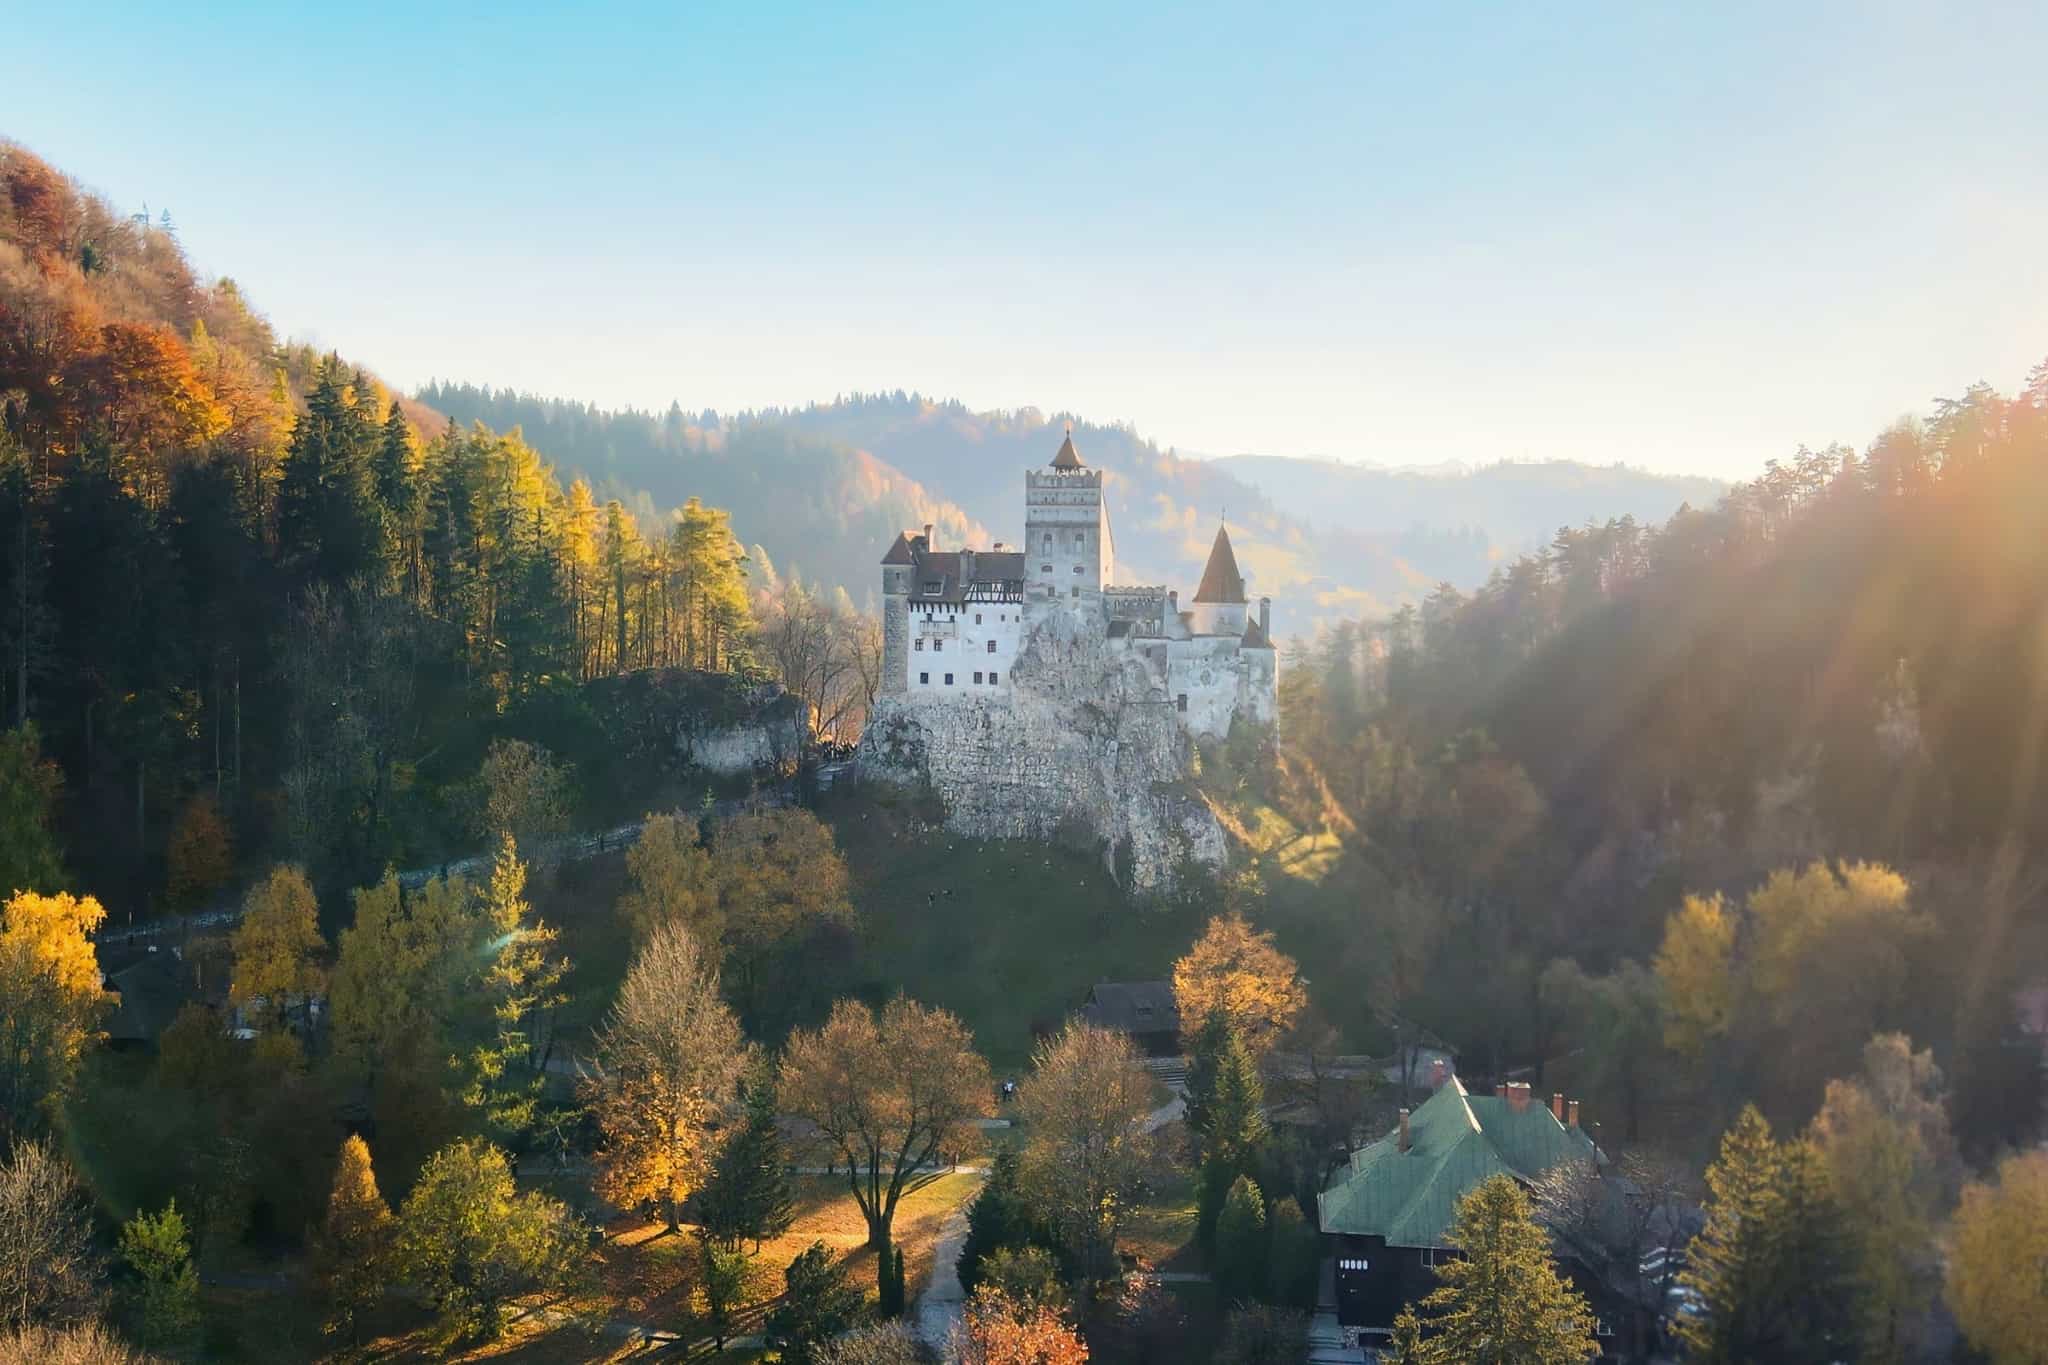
(1688, 236)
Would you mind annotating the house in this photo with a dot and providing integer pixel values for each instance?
(148, 993)
(1389, 1210)
(1143, 1010)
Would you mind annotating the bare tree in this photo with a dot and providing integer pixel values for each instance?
(48, 1272)
(826, 652)
(1086, 1106)
(1612, 1221)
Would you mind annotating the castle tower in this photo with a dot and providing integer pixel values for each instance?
(1219, 601)
(897, 567)
(1069, 552)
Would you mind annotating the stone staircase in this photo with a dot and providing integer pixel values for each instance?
(1171, 1072)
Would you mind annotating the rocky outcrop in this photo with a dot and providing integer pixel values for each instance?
(681, 719)
(1084, 737)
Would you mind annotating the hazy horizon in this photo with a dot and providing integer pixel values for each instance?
(1686, 240)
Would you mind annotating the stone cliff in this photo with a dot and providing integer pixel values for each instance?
(1083, 736)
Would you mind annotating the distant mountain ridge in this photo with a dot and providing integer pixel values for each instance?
(822, 489)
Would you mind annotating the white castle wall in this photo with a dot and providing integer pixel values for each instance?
(1082, 732)
(975, 642)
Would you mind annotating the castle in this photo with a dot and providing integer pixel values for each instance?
(954, 621)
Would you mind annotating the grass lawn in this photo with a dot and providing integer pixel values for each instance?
(650, 1275)
(1160, 1232)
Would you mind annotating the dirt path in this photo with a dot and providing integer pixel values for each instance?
(939, 1307)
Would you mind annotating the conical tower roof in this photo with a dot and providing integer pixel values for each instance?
(1068, 457)
(1221, 582)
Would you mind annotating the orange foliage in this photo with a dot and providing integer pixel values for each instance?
(201, 853)
(1000, 1331)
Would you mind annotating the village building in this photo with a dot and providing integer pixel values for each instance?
(954, 621)
(1143, 1011)
(1388, 1212)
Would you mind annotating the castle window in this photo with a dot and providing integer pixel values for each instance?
(1045, 568)
(991, 679)
(920, 643)
(949, 680)
(1076, 592)
(1180, 703)
(1080, 541)
(1077, 568)
(1048, 540)
(991, 646)
(977, 677)
(977, 618)
(934, 585)
(925, 679)
(938, 646)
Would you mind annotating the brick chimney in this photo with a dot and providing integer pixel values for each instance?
(1404, 1130)
(1517, 1094)
(1439, 1072)
(1572, 1113)
(1557, 1105)
(929, 543)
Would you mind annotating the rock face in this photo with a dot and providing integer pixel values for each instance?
(680, 720)
(1083, 737)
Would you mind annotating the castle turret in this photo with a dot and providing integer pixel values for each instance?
(1219, 600)
(1069, 552)
(897, 567)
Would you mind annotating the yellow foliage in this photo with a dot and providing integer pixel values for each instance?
(50, 997)
(277, 945)
(1995, 1265)
(1237, 969)
(1694, 964)
(672, 882)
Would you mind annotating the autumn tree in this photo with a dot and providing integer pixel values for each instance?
(50, 1002)
(1694, 964)
(1502, 1302)
(521, 790)
(471, 1242)
(1085, 1108)
(670, 879)
(888, 1092)
(29, 785)
(1237, 969)
(878, 1343)
(1883, 1139)
(669, 1059)
(1999, 1244)
(521, 987)
(780, 876)
(998, 1330)
(354, 1245)
(49, 1270)
(277, 945)
(1774, 1265)
(200, 857)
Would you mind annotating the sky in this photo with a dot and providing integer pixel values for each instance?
(1688, 237)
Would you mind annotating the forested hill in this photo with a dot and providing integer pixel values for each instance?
(817, 487)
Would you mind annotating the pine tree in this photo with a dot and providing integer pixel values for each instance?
(398, 489)
(355, 1240)
(521, 986)
(999, 1217)
(330, 528)
(1236, 1125)
(748, 1197)
(1241, 1243)
(724, 1279)
(816, 1304)
(1773, 1265)
(1203, 1059)
(1502, 1302)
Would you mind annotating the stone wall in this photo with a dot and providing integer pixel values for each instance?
(1082, 736)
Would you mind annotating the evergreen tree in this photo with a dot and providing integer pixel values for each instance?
(1236, 1124)
(748, 1197)
(724, 1278)
(817, 1305)
(397, 471)
(1203, 1057)
(1001, 1216)
(330, 528)
(1502, 1302)
(159, 1251)
(521, 987)
(28, 797)
(1774, 1264)
(1241, 1243)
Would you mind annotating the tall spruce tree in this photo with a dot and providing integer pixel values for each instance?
(1502, 1302)
(330, 528)
(1774, 1264)
(1203, 1058)
(519, 990)
(748, 1197)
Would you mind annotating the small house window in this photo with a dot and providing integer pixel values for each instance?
(991, 646)
(925, 678)
(977, 678)
(949, 680)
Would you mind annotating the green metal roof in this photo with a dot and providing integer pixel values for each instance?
(1456, 1140)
